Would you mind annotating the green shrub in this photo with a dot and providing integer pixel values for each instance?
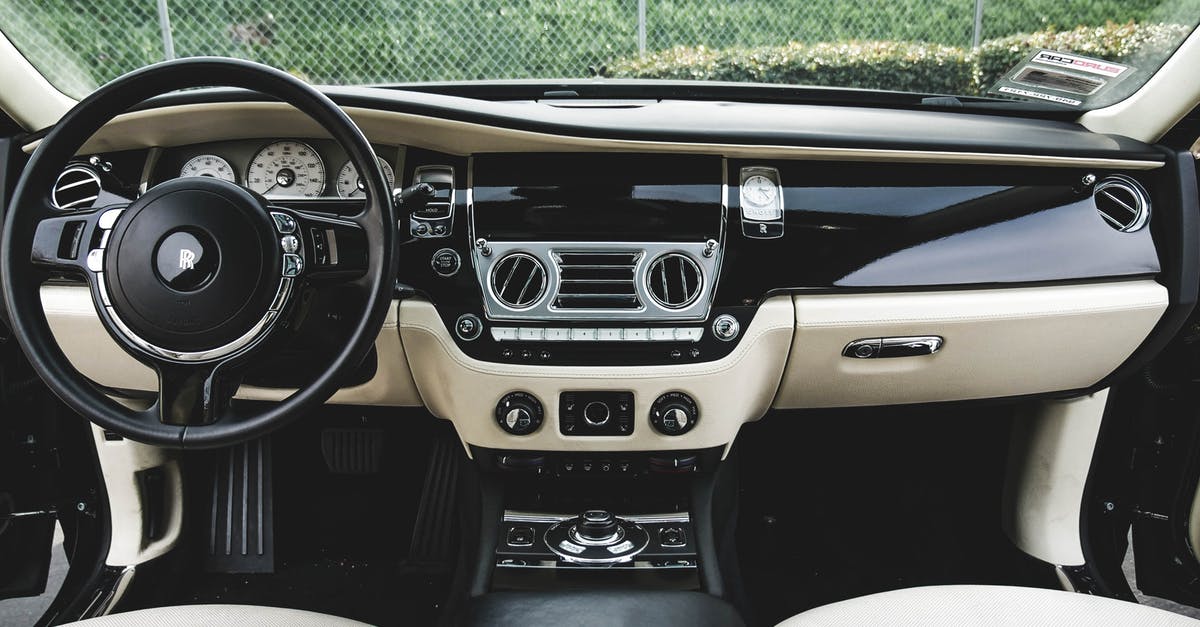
(1130, 44)
(902, 66)
(861, 64)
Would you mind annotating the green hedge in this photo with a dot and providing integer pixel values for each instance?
(903, 66)
(1131, 44)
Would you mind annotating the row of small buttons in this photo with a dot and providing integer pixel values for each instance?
(640, 334)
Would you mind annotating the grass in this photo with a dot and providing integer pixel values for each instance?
(81, 43)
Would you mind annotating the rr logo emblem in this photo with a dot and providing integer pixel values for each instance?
(187, 259)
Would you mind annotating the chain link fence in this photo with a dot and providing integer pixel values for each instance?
(80, 44)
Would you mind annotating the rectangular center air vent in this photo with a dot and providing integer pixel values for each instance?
(597, 280)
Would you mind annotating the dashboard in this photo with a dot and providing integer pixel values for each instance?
(690, 266)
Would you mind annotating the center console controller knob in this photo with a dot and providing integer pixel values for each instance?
(674, 413)
(597, 526)
(519, 413)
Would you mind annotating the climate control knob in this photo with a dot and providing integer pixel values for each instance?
(519, 413)
(674, 413)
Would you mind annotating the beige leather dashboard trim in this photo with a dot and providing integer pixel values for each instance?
(204, 122)
(729, 391)
(998, 342)
(120, 461)
(77, 329)
(1048, 463)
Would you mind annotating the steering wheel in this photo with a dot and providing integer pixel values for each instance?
(197, 275)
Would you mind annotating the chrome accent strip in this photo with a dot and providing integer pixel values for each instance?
(677, 517)
(511, 515)
(106, 597)
(534, 517)
(635, 565)
(194, 356)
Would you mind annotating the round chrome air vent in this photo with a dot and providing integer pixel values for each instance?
(76, 188)
(674, 280)
(1123, 203)
(519, 280)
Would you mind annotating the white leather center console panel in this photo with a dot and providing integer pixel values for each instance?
(729, 391)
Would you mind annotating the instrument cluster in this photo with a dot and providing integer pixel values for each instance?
(278, 168)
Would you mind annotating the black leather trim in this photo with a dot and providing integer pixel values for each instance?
(599, 608)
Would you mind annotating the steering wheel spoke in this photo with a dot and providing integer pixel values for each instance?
(331, 249)
(73, 242)
(195, 394)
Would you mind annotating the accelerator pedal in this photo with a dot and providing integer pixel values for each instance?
(433, 539)
(241, 535)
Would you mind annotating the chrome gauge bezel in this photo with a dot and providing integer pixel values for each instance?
(265, 192)
(221, 161)
(356, 192)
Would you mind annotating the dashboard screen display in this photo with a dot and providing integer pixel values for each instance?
(617, 197)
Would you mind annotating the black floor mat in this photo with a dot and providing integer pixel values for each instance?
(341, 540)
(839, 504)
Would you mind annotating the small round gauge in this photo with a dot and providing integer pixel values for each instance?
(350, 185)
(759, 191)
(211, 166)
(287, 169)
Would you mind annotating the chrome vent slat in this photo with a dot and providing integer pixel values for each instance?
(670, 291)
(1122, 203)
(77, 186)
(528, 272)
(597, 280)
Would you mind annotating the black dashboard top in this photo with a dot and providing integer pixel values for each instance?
(747, 123)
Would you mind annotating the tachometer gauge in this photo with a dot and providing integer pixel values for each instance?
(211, 166)
(287, 169)
(759, 191)
(351, 185)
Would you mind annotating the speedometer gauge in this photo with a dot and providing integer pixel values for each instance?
(351, 185)
(287, 169)
(211, 166)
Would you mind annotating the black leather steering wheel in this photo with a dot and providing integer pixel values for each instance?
(197, 275)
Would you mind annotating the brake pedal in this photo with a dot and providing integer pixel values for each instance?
(241, 534)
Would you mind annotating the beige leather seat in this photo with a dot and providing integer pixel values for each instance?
(959, 606)
(219, 615)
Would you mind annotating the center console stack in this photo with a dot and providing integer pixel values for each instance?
(594, 259)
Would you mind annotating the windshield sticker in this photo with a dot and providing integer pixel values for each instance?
(1083, 64)
(1026, 93)
(1062, 81)
(1059, 77)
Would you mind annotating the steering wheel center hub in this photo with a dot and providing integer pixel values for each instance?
(192, 265)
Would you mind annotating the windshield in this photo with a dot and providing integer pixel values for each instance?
(1075, 53)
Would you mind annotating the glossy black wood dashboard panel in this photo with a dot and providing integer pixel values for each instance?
(887, 226)
(847, 227)
(597, 197)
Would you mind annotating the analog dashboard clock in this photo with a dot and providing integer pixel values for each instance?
(760, 195)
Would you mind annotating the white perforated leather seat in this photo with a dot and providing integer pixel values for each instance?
(962, 606)
(219, 615)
